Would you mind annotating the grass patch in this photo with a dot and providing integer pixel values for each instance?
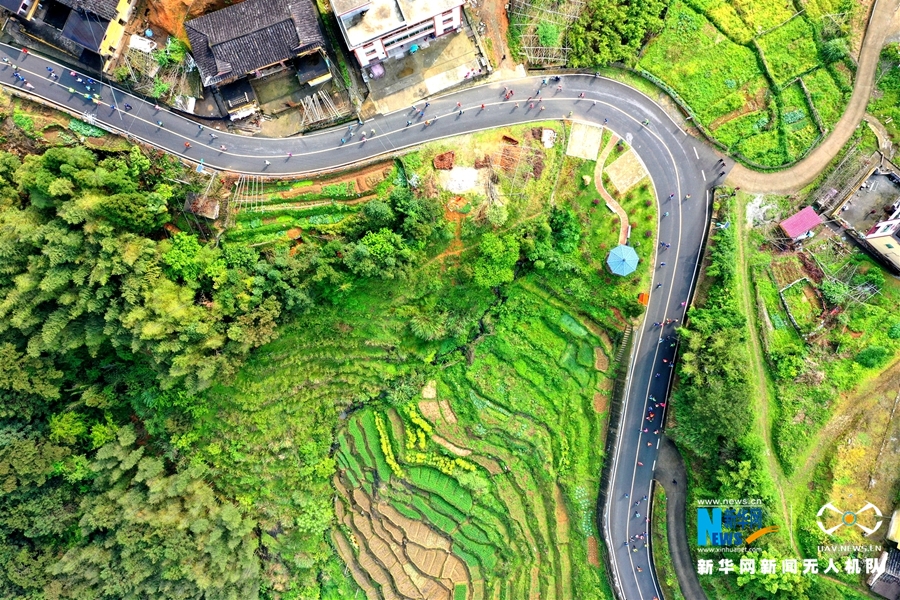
(799, 127)
(789, 50)
(662, 557)
(827, 97)
(709, 71)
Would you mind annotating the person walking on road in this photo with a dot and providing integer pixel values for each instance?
(187, 145)
(127, 106)
(159, 124)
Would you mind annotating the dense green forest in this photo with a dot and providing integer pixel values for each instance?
(137, 459)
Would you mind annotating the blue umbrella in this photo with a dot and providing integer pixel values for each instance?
(622, 260)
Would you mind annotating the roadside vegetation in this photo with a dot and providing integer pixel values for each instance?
(885, 103)
(713, 426)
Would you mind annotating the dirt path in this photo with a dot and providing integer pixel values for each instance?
(493, 14)
(763, 423)
(598, 183)
(804, 172)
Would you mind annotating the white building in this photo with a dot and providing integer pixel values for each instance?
(376, 29)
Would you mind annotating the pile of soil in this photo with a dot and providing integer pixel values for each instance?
(483, 163)
(509, 158)
(170, 15)
(537, 167)
(509, 140)
(444, 161)
(812, 268)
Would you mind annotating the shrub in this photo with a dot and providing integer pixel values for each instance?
(548, 34)
(873, 357)
(894, 331)
(24, 122)
(85, 129)
(834, 50)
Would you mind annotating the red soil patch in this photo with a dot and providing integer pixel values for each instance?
(170, 15)
(593, 552)
(444, 161)
(751, 104)
(483, 163)
(601, 361)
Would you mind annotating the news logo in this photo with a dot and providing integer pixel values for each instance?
(731, 526)
(869, 523)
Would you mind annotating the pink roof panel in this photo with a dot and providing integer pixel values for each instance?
(798, 224)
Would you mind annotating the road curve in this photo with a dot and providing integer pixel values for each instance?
(805, 171)
(681, 168)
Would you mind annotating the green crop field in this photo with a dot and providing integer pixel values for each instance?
(799, 127)
(827, 97)
(789, 50)
(735, 64)
(885, 103)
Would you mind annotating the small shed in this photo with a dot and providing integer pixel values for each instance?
(800, 225)
(893, 533)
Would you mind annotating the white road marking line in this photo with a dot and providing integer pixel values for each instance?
(695, 153)
(704, 175)
(653, 468)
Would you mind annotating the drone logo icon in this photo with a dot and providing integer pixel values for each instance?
(849, 518)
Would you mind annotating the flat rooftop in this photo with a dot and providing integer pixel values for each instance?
(871, 204)
(384, 16)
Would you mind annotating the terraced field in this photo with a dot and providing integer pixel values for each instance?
(268, 212)
(485, 486)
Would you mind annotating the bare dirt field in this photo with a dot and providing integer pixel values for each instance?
(170, 15)
(625, 171)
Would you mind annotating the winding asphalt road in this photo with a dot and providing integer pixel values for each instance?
(681, 168)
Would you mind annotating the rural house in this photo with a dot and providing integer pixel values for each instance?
(253, 40)
(377, 29)
(800, 225)
(886, 582)
(884, 239)
(76, 26)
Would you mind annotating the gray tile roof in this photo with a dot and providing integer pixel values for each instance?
(101, 8)
(243, 37)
